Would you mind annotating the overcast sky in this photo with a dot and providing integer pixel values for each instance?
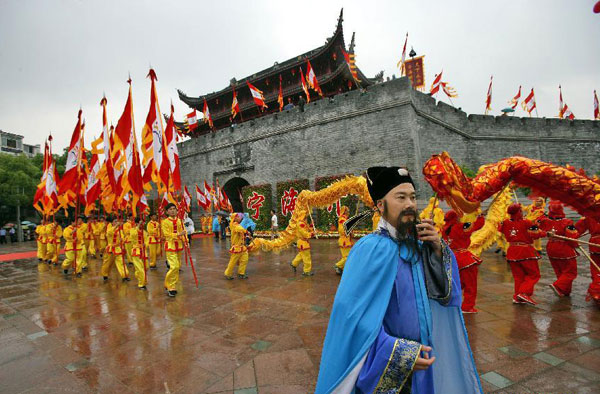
(56, 56)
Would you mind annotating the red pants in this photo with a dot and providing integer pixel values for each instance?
(594, 289)
(468, 283)
(566, 272)
(526, 274)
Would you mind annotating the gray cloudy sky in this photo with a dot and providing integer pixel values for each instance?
(57, 55)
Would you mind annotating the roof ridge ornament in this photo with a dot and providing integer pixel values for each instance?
(340, 18)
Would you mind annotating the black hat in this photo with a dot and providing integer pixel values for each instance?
(380, 180)
(170, 205)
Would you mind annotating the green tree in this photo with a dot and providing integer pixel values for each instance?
(19, 177)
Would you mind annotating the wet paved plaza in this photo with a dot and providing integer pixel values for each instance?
(262, 335)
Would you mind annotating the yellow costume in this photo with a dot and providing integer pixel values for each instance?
(533, 213)
(138, 254)
(154, 243)
(303, 234)
(344, 241)
(90, 242)
(438, 214)
(99, 230)
(171, 228)
(126, 240)
(84, 235)
(114, 253)
(74, 249)
(42, 241)
(53, 233)
(238, 250)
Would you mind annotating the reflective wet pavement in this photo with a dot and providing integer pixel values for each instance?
(261, 335)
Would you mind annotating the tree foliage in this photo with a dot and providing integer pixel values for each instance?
(19, 177)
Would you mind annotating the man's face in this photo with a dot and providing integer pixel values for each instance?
(153, 218)
(400, 205)
(539, 202)
(172, 212)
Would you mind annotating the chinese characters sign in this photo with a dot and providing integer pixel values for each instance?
(288, 201)
(255, 202)
(414, 69)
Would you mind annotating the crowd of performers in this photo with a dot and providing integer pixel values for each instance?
(119, 243)
(132, 242)
(520, 240)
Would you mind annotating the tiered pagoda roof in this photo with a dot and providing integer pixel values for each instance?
(327, 61)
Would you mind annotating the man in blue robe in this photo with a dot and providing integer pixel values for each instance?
(396, 324)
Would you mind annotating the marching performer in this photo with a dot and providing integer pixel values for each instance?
(561, 253)
(593, 226)
(154, 240)
(344, 241)
(42, 240)
(458, 236)
(138, 254)
(238, 250)
(74, 247)
(127, 226)
(174, 234)
(54, 233)
(114, 251)
(521, 255)
(303, 234)
(99, 229)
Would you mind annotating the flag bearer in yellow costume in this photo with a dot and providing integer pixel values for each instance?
(113, 254)
(74, 248)
(207, 224)
(42, 240)
(99, 229)
(154, 240)
(53, 235)
(175, 235)
(90, 241)
(238, 250)
(533, 212)
(303, 234)
(127, 226)
(84, 236)
(138, 253)
(344, 241)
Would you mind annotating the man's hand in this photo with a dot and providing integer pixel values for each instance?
(424, 362)
(428, 233)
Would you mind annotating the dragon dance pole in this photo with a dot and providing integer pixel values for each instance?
(575, 240)
(588, 257)
(435, 200)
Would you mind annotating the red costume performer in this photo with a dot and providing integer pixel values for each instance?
(520, 234)
(593, 226)
(458, 236)
(561, 253)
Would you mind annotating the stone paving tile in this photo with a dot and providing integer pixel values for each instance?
(264, 334)
(496, 379)
(548, 358)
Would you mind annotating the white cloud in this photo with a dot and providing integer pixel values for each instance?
(58, 55)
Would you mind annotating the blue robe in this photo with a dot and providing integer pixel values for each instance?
(380, 318)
